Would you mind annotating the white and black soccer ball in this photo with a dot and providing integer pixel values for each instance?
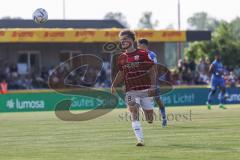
(40, 16)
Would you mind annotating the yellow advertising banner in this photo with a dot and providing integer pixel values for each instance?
(84, 35)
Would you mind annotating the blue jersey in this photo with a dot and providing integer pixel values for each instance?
(152, 56)
(217, 79)
(217, 69)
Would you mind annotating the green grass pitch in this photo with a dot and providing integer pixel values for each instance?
(208, 135)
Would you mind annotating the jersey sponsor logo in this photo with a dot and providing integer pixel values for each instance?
(136, 58)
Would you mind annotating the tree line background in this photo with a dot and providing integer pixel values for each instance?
(225, 35)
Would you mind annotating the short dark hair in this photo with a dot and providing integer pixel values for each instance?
(217, 53)
(129, 33)
(143, 41)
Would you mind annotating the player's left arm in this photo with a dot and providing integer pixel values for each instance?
(153, 74)
(153, 78)
(211, 68)
(153, 70)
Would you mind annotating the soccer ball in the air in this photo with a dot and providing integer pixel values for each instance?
(40, 15)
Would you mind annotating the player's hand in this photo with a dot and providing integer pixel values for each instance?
(113, 90)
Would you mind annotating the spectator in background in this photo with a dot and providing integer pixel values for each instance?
(13, 68)
(44, 72)
(203, 79)
(186, 73)
(180, 65)
(101, 79)
(232, 80)
(185, 65)
(208, 63)
(226, 70)
(180, 69)
(4, 87)
(192, 67)
(201, 67)
(175, 78)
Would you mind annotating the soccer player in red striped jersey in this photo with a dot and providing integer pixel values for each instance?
(136, 69)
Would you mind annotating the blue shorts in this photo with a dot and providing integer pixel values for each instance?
(217, 82)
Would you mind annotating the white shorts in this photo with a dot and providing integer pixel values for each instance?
(140, 97)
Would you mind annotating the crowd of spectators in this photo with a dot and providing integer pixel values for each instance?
(10, 74)
(35, 80)
(191, 73)
(186, 73)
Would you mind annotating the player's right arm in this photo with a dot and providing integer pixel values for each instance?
(118, 79)
(120, 75)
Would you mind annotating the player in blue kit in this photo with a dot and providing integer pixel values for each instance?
(217, 81)
(143, 44)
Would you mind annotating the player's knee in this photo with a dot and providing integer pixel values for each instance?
(134, 113)
(132, 104)
(133, 108)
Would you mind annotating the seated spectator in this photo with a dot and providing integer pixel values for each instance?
(232, 80)
(192, 65)
(3, 87)
(175, 78)
(201, 67)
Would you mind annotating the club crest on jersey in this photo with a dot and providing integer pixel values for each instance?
(136, 58)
